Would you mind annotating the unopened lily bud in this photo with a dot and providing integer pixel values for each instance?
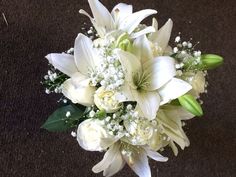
(191, 104)
(123, 42)
(211, 61)
(125, 45)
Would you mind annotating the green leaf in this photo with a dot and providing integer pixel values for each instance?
(101, 114)
(58, 122)
(211, 61)
(191, 104)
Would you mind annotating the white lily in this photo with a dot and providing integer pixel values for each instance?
(121, 18)
(136, 157)
(77, 88)
(170, 118)
(152, 83)
(160, 38)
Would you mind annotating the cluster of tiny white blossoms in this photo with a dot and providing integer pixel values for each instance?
(185, 52)
(187, 55)
(109, 74)
(53, 87)
(129, 92)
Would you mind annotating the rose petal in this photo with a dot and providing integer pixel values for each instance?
(79, 92)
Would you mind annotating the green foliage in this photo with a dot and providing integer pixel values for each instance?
(59, 122)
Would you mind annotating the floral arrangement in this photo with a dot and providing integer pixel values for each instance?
(125, 90)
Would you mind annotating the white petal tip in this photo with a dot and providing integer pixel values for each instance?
(165, 159)
(153, 11)
(170, 20)
(49, 58)
(95, 170)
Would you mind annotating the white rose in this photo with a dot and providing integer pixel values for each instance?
(92, 135)
(107, 100)
(198, 83)
(141, 132)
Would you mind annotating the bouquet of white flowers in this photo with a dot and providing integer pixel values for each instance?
(127, 92)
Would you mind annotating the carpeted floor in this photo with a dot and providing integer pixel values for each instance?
(36, 28)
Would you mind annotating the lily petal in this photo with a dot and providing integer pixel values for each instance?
(148, 102)
(79, 91)
(132, 21)
(174, 148)
(177, 112)
(167, 92)
(101, 15)
(173, 130)
(159, 71)
(142, 48)
(146, 30)
(117, 164)
(85, 54)
(130, 63)
(155, 23)
(155, 155)
(63, 62)
(108, 158)
(121, 11)
(100, 29)
(138, 162)
(126, 92)
(163, 35)
(153, 35)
